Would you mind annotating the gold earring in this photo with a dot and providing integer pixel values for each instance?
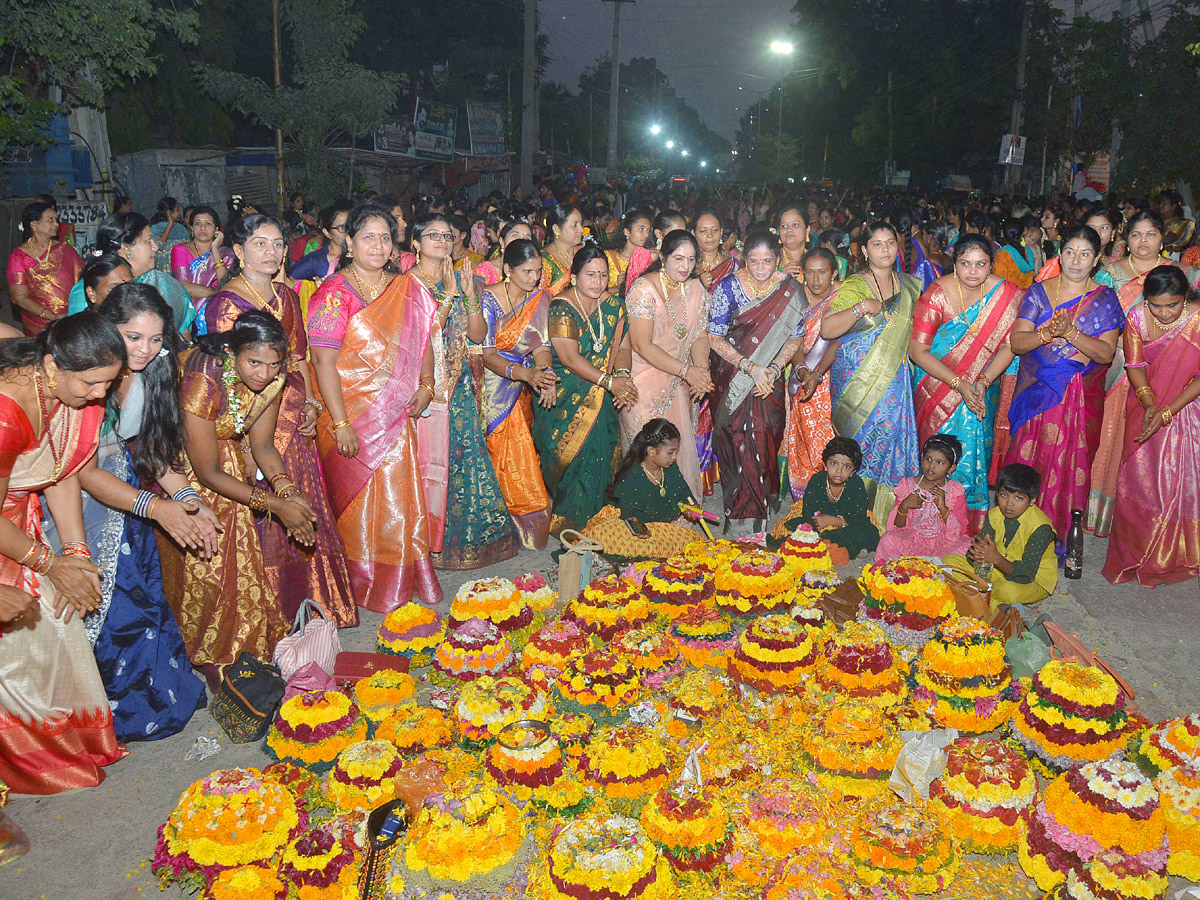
(572, 282)
(418, 254)
(50, 380)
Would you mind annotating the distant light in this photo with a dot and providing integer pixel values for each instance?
(655, 129)
(703, 164)
(805, 178)
(718, 171)
(684, 152)
(670, 145)
(791, 181)
(783, 47)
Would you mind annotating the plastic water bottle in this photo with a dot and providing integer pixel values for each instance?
(1073, 568)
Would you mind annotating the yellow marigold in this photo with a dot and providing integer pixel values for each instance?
(1078, 683)
(247, 883)
(470, 832)
(383, 689)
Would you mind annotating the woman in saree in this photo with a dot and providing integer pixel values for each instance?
(1019, 258)
(369, 334)
(637, 227)
(56, 727)
(713, 263)
(1144, 237)
(870, 381)
(809, 428)
(668, 330)
(464, 258)
(42, 270)
(295, 572)
(137, 642)
(202, 263)
(101, 274)
(755, 327)
(1156, 529)
(1066, 335)
(224, 603)
(489, 272)
(469, 522)
(959, 345)
(519, 367)
(793, 240)
(128, 236)
(578, 438)
(564, 233)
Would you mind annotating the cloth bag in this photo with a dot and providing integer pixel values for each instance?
(245, 703)
(576, 563)
(972, 596)
(313, 639)
(309, 677)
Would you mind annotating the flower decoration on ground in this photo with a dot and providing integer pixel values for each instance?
(364, 775)
(785, 816)
(412, 631)
(257, 882)
(904, 844)
(465, 833)
(487, 705)
(496, 600)
(536, 591)
(820, 627)
(625, 762)
(1112, 875)
(860, 664)
(711, 555)
(1173, 743)
(319, 866)
(982, 794)
(311, 729)
(774, 655)
(526, 754)
(600, 682)
(552, 646)
(652, 652)
(691, 826)
(815, 584)
(851, 748)
(1179, 792)
(608, 606)
(674, 586)
(805, 551)
(1072, 713)
(700, 693)
(415, 729)
(609, 858)
(963, 679)
(907, 596)
(705, 637)
(566, 798)
(754, 583)
(472, 650)
(382, 691)
(1106, 805)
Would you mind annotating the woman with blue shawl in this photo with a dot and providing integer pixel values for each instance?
(871, 380)
(1066, 335)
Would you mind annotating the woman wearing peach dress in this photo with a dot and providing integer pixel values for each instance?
(668, 327)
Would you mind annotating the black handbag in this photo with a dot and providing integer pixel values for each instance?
(250, 693)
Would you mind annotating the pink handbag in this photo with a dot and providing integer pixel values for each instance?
(314, 638)
(309, 677)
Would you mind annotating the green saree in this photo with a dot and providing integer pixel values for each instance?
(577, 439)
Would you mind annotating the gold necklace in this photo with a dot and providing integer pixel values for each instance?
(680, 328)
(760, 289)
(829, 491)
(976, 326)
(667, 283)
(597, 339)
(706, 266)
(565, 266)
(365, 287)
(661, 484)
(258, 298)
(58, 454)
(1168, 326)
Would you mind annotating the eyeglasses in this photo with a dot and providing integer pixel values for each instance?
(341, 228)
(441, 237)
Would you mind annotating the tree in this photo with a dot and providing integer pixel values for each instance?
(85, 47)
(327, 99)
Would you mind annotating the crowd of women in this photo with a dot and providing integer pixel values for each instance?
(195, 441)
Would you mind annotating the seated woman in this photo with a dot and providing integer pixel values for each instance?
(648, 487)
(1156, 530)
(232, 382)
(834, 505)
(1016, 544)
(930, 517)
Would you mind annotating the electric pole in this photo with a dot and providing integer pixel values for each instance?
(1114, 148)
(614, 85)
(1147, 21)
(891, 163)
(1012, 174)
(529, 123)
(277, 80)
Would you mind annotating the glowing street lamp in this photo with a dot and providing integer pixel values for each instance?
(670, 145)
(782, 47)
(656, 129)
(703, 164)
(684, 152)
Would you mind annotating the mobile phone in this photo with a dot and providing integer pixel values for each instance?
(636, 528)
(391, 825)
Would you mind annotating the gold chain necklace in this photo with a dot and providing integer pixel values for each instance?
(58, 454)
(661, 484)
(365, 287)
(977, 325)
(760, 291)
(597, 339)
(680, 328)
(258, 298)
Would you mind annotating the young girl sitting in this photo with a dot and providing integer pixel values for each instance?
(930, 516)
(834, 504)
(648, 488)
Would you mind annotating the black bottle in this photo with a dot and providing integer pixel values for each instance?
(1074, 563)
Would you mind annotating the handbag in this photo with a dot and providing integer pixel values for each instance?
(576, 563)
(351, 665)
(313, 639)
(247, 699)
(386, 825)
(306, 679)
(842, 604)
(972, 595)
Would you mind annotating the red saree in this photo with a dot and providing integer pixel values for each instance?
(49, 280)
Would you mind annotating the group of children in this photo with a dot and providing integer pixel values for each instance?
(1015, 545)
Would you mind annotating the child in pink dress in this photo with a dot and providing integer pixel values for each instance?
(930, 516)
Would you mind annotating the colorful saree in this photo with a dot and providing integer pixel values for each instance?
(48, 279)
(656, 507)
(168, 288)
(808, 425)
(1016, 264)
(507, 410)
(377, 497)
(578, 438)
(555, 277)
(924, 268)
(704, 421)
(226, 604)
(295, 572)
(56, 727)
(967, 343)
(662, 395)
(1102, 499)
(617, 266)
(870, 386)
(1058, 404)
(1156, 529)
(201, 270)
(747, 429)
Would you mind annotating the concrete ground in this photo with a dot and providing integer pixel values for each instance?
(96, 844)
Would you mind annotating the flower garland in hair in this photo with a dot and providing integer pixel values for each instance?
(229, 377)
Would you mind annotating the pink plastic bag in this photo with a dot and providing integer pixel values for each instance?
(314, 638)
(309, 677)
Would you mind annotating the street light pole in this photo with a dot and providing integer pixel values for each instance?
(784, 50)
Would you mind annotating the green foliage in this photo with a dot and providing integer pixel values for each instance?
(86, 47)
(775, 159)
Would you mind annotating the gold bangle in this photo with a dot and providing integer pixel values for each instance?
(276, 477)
(288, 492)
(954, 385)
(338, 426)
(150, 508)
(1144, 391)
(1166, 415)
(428, 382)
(258, 500)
